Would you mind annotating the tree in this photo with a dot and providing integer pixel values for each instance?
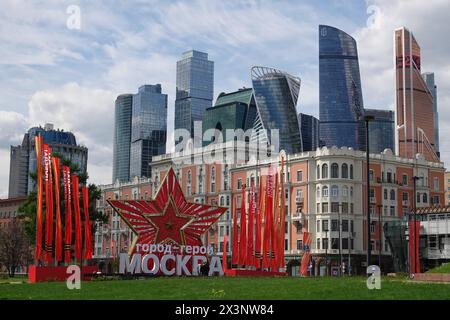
(14, 246)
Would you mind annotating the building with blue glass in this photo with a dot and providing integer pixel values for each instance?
(148, 129)
(195, 89)
(309, 128)
(122, 138)
(276, 94)
(428, 77)
(340, 94)
(381, 130)
(23, 157)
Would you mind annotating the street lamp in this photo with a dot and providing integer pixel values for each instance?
(367, 119)
(340, 242)
(414, 270)
(326, 252)
(379, 233)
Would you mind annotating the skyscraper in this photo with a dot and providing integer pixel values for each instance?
(429, 80)
(381, 130)
(23, 157)
(195, 89)
(309, 128)
(122, 137)
(341, 101)
(148, 129)
(276, 94)
(414, 101)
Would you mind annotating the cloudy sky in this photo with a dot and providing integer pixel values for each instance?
(53, 71)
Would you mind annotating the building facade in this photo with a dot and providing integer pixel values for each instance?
(23, 157)
(340, 94)
(148, 129)
(276, 94)
(381, 130)
(325, 189)
(414, 101)
(122, 137)
(309, 128)
(447, 188)
(428, 77)
(195, 89)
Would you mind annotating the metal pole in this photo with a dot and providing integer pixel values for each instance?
(415, 178)
(326, 252)
(340, 242)
(367, 119)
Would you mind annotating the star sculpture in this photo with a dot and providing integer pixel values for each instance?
(169, 218)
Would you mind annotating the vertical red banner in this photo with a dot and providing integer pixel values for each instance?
(275, 226)
(68, 214)
(414, 268)
(88, 250)
(235, 251)
(224, 254)
(268, 219)
(251, 226)
(243, 235)
(48, 204)
(38, 147)
(76, 207)
(283, 218)
(58, 240)
(306, 253)
(259, 215)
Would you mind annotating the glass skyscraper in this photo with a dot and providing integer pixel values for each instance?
(148, 129)
(341, 101)
(276, 94)
(429, 80)
(309, 128)
(381, 130)
(195, 89)
(122, 138)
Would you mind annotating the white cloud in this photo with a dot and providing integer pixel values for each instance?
(12, 126)
(4, 173)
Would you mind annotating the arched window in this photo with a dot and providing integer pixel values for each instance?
(318, 192)
(213, 173)
(385, 194)
(318, 172)
(334, 170)
(189, 176)
(351, 171)
(344, 171)
(351, 192)
(325, 191)
(324, 171)
(334, 191)
(392, 195)
(221, 201)
(425, 198)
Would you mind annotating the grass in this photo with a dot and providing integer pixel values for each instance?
(444, 268)
(241, 288)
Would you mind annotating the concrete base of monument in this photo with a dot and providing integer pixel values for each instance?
(253, 273)
(57, 273)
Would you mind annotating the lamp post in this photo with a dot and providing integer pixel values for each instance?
(379, 234)
(326, 252)
(367, 119)
(340, 242)
(414, 270)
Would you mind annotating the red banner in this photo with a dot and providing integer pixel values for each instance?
(235, 252)
(243, 235)
(68, 214)
(268, 219)
(306, 253)
(251, 226)
(58, 241)
(48, 204)
(283, 218)
(259, 215)
(76, 206)
(224, 253)
(38, 147)
(414, 268)
(88, 250)
(275, 226)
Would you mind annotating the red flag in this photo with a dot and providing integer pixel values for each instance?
(235, 252)
(48, 204)
(68, 214)
(259, 215)
(306, 253)
(251, 226)
(268, 219)
(275, 227)
(76, 206)
(58, 241)
(38, 147)
(88, 251)
(224, 254)
(283, 219)
(243, 235)
(414, 268)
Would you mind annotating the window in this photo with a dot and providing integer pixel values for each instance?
(405, 196)
(418, 197)
(318, 208)
(392, 211)
(334, 243)
(345, 243)
(239, 184)
(318, 226)
(389, 176)
(351, 171)
(324, 171)
(325, 207)
(189, 176)
(392, 195)
(334, 191)
(405, 179)
(351, 192)
(425, 198)
(318, 172)
(299, 245)
(334, 225)
(334, 170)
(325, 225)
(335, 207)
(436, 184)
(371, 175)
(299, 193)
(345, 207)
(344, 171)
(345, 191)
(318, 243)
(351, 226)
(318, 192)
(325, 243)
(299, 175)
(352, 208)
(385, 194)
(372, 228)
(344, 225)
(324, 191)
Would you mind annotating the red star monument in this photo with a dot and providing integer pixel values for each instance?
(169, 218)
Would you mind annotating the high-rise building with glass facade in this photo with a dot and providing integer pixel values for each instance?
(381, 130)
(341, 100)
(148, 129)
(23, 157)
(276, 94)
(309, 128)
(122, 137)
(235, 110)
(429, 80)
(414, 101)
(195, 89)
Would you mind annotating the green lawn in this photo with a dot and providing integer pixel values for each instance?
(444, 268)
(229, 288)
